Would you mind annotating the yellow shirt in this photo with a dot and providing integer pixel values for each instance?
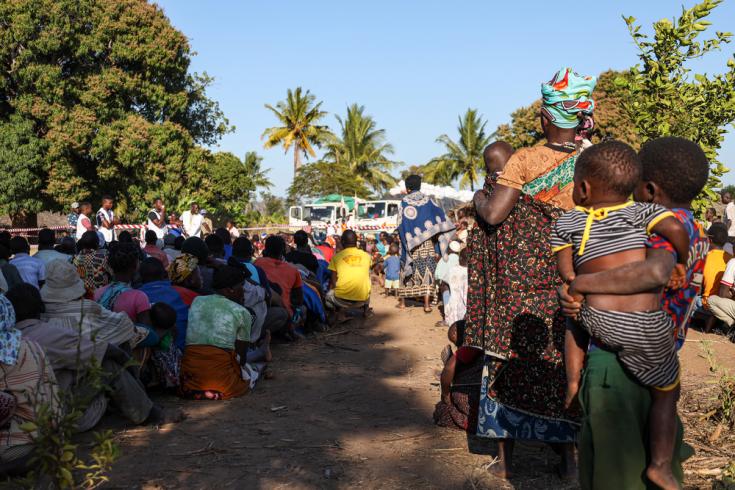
(352, 266)
(714, 267)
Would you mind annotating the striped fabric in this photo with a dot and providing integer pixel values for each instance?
(642, 341)
(31, 380)
(594, 233)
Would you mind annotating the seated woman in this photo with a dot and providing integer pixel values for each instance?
(460, 382)
(71, 355)
(217, 341)
(91, 263)
(119, 295)
(65, 305)
(27, 382)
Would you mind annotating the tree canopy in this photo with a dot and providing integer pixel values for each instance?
(463, 158)
(298, 116)
(321, 178)
(361, 146)
(666, 99)
(611, 119)
(99, 97)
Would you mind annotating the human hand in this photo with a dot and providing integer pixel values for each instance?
(678, 277)
(570, 300)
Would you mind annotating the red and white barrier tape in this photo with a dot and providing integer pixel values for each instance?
(16, 231)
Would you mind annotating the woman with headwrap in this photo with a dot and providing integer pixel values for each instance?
(512, 309)
(27, 383)
(424, 231)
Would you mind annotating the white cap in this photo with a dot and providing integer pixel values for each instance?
(455, 246)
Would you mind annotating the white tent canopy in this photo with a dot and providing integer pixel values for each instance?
(436, 191)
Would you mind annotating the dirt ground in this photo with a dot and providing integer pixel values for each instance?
(353, 408)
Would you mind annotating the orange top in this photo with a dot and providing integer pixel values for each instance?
(536, 164)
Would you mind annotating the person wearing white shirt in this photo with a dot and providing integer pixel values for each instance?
(106, 219)
(232, 229)
(729, 217)
(31, 269)
(192, 221)
(722, 306)
(84, 224)
(157, 219)
(331, 230)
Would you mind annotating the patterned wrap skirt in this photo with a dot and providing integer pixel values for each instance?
(421, 281)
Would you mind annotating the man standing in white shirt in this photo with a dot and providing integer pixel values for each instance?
(157, 219)
(331, 230)
(106, 220)
(192, 221)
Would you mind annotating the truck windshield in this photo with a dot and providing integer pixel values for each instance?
(318, 213)
(371, 210)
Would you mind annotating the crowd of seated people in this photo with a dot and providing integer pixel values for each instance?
(193, 317)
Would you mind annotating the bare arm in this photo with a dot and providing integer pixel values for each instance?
(725, 292)
(632, 278)
(565, 264)
(494, 208)
(672, 230)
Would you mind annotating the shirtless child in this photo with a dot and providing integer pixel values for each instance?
(604, 231)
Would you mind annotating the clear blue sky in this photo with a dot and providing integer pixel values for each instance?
(415, 65)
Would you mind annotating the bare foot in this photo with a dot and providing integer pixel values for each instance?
(267, 342)
(500, 470)
(662, 477)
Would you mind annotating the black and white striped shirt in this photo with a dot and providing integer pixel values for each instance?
(594, 233)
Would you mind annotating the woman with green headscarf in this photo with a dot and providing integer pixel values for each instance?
(512, 309)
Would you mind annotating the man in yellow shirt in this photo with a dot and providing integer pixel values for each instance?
(349, 286)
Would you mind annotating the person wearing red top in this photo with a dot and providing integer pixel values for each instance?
(327, 251)
(281, 274)
(151, 248)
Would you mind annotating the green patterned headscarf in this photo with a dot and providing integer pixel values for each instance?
(565, 96)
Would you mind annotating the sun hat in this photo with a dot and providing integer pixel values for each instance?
(63, 283)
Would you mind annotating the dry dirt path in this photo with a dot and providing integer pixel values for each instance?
(351, 408)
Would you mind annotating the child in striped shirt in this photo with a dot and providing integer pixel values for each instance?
(605, 231)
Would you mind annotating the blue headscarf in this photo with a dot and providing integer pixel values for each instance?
(9, 335)
(565, 96)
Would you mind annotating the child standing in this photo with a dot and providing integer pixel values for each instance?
(392, 269)
(604, 231)
(456, 309)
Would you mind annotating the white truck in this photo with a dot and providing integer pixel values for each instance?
(359, 214)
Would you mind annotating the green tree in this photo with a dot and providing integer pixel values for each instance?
(362, 147)
(666, 99)
(611, 119)
(321, 178)
(229, 185)
(463, 158)
(298, 116)
(105, 85)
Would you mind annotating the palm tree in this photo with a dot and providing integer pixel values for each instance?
(259, 176)
(463, 158)
(363, 149)
(298, 116)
